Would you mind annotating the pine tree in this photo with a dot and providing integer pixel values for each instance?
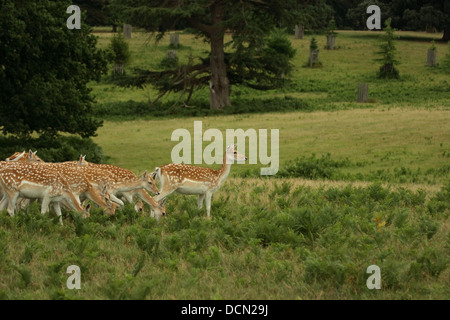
(387, 53)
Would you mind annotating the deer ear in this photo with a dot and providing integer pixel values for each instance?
(154, 175)
(161, 203)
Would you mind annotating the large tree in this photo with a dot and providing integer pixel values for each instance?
(96, 11)
(422, 15)
(45, 69)
(249, 21)
(405, 14)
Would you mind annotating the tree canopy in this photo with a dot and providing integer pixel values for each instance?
(44, 70)
(428, 15)
(250, 23)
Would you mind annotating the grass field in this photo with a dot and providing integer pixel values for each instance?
(359, 184)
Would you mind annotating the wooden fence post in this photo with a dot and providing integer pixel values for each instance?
(363, 92)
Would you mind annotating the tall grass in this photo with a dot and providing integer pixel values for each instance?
(277, 241)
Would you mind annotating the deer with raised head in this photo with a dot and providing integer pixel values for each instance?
(193, 180)
(29, 180)
(21, 157)
(29, 156)
(79, 184)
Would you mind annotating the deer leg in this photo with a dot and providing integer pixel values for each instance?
(57, 208)
(128, 196)
(12, 198)
(208, 204)
(116, 200)
(44, 205)
(4, 202)
(201, 197)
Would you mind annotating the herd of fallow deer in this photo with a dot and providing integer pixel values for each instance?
(25, 177)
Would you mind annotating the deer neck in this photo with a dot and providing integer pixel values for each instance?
(129, 185)
(224, 171)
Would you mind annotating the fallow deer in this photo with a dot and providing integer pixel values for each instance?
(124, 175)
(193, 180)
(83, 188)
(29, 180)
(24, 157)
(79, 184)
(117, 186)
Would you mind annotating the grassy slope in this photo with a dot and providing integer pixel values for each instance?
(395, 130)
(376, 138)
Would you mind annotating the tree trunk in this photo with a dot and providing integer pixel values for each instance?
(446, 36)
(219, 85)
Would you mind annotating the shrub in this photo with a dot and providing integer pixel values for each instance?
(133, 110)
(313, 167)
(119, 51)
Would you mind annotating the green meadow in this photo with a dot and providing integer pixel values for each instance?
(359, 184)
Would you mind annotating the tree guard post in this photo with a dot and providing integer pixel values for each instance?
(127, 28)
(118, 68)
(431, 58)
(299, 31)
(363, 92)
(331, 41)
(174, 40)
(313, 58)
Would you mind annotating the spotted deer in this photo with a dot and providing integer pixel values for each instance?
(118, 185)
(124, 175)
(193, 180)
(21, 157)
(30, 180)
(83, 188)
(79, 184)
(29, 156)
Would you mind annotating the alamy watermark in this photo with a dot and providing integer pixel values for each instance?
(74, 21)
(374, 281)
(374, 21)
(213, 152)
(74, 280)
